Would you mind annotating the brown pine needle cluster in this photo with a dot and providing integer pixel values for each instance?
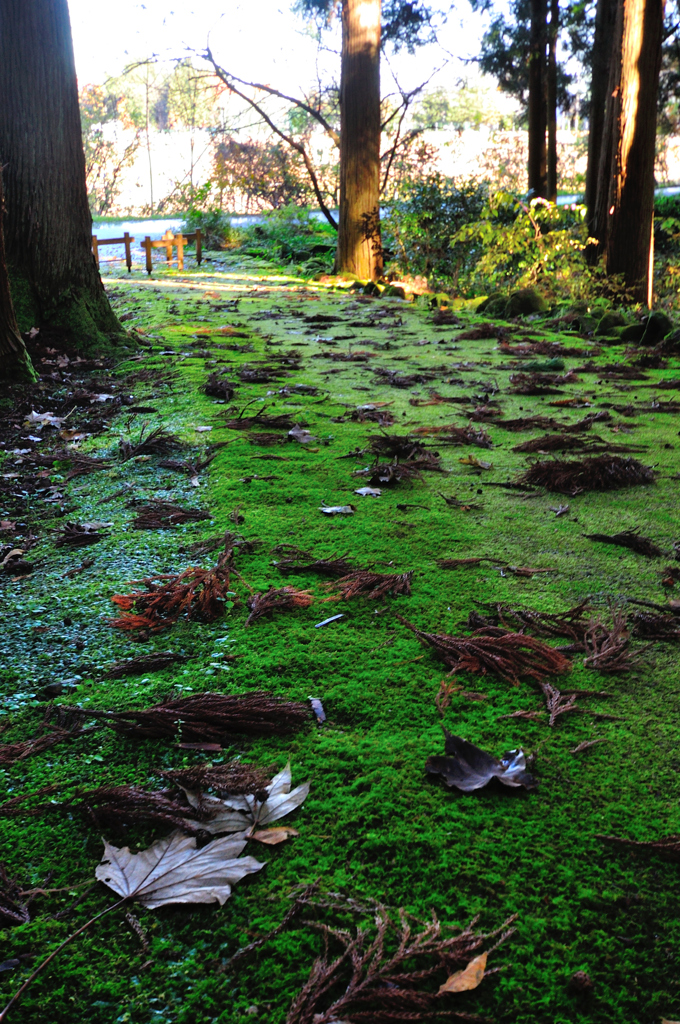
(629, 539)
(13, 911)
(557, 703)
(210, 717)
(144, 663)
(236, 777)
(199, 594)
(218, 387)
(10, 753)
(161, 515)
(602, 473)
(298, 561)
(113, 807)
(570, 624)
(277, 599)
(373, 585)
(390, 968)
(655, 627)
(607, 646)
(511, 656)
(150, 442)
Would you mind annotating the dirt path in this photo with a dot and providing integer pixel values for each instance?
(317, 395)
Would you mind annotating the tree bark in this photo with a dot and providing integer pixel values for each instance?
(15, 362)
(551, 94)
(537, 99)
(625, 202)
(48, 227)
(605, 21)
(359, 247)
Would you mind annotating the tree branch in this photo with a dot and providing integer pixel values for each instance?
(229, 80)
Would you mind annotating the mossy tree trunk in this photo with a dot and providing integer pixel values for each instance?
(48, 226)
(605, 19)
(359, 246)
(15, 363)
(625, 200)
(537, 99)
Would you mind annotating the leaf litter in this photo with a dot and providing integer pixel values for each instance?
(467, 768)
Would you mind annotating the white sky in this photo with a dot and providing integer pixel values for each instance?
(256, 39)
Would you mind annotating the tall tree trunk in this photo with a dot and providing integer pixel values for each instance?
(359, 247)
(15, 362)
(625, 201)
(48, 227)
(551, 93)
(605, 21)
(537, 99)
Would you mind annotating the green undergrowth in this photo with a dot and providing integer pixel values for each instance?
(374, 825)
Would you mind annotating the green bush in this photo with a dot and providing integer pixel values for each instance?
(417, 228)
(293, 235)
(517, 243)
(215, 225)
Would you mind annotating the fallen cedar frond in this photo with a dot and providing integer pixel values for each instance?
(482, 331)
(78, 535)
(218, 387)
(557, 703)
(450, 434)
(570, 623)
(607, 646)
(283, 422)
(111, 807)
(264, 440)
(602, 473)
(277, 599)
(655, 627)
(200, 594)
(156, 442)
(395, 446)
(392, 967)
(394, 472)
(12, 910)
(161, 515)
(189, 468)
(10, 753)
(234, 777)
(533, 384)
(562, 442)
(80, 463)
(236, 541)
(668, 847)
(299, 561)
(209, 717)
(629, 539)
(373, 585)
(400, 380)
(383, 417)
(511, 656)
(144, 663)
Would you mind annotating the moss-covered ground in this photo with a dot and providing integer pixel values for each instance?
(374, 824)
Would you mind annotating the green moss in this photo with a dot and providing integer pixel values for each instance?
(374, 824)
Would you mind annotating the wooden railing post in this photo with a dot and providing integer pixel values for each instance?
(128, 253)
(179, 242)
(199, 247)
(95, 249)
(146, 244)
(168, 238)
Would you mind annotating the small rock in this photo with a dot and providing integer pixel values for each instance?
(609, 322)
(526, 301)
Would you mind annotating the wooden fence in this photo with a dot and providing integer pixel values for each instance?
(167, 242)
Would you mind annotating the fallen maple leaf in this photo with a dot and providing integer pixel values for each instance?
(241, 813)
(173, 870)
(467, 979)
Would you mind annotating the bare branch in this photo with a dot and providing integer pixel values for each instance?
(229, 80)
